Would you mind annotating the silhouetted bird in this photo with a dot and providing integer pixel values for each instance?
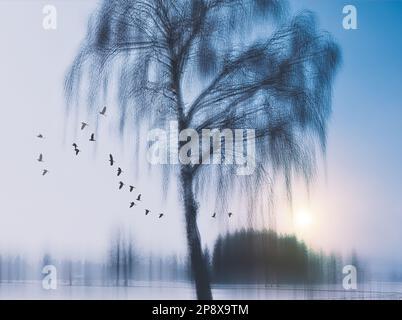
(92, 137)
(103, 112)
(230, 214)
(161, 215)
(121, 184)
(139, 197)
(40, 136)
(83, 125)
(132, 204)
(147, 212)
(40, 159)
(75, 146)
(77, 151)
(214, 215)
(44, 172)
(132, 188)
(119, 171)
(111, 160)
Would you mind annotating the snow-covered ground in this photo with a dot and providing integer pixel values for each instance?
(168, 291)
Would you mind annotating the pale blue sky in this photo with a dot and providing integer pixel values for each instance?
(365, 154)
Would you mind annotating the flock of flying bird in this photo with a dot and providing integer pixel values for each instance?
(112, 162)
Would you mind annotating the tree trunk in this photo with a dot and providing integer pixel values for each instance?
(199, 265)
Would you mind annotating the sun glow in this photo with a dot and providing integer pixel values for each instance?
(303, 219)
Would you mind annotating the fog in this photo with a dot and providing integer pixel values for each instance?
(75, 208)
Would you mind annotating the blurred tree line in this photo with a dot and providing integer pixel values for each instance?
(250, 256)
(246, 256)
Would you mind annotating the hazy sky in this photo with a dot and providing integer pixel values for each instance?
(355, 203)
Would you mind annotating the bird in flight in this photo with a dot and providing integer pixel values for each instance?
(77, 151)
(83, 125)
(119, 171)
(111, 160)
(44, 172)
(40, 136)
(103, 112)
(214, 215)
(161, 215)
(147, 212)
(139, 197)
(132, 204)
(132, 188)
(230, 214)
(40, 159)
(121, 184)
(92, 137)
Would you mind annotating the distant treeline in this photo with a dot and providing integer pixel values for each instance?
(251, 256)
(246, 256)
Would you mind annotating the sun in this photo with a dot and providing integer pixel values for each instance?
(303, 219)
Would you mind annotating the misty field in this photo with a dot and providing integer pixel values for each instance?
(185, 291)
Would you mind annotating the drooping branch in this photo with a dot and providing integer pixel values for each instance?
(287, 69)
(281, 86)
